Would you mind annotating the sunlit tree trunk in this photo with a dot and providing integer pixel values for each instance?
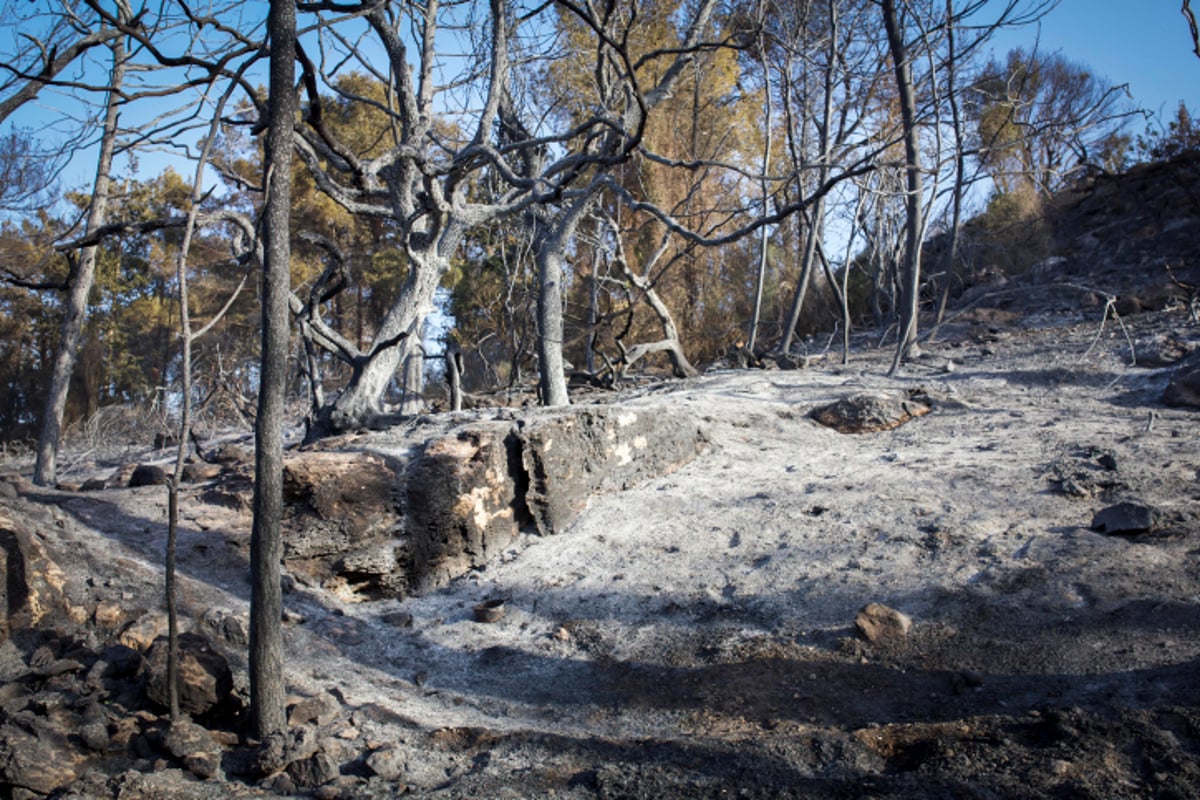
(45, 471)
(911, 268)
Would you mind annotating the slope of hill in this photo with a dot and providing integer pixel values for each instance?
(700, 633)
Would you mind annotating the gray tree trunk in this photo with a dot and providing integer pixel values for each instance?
(45, 471)
(911, 268)
(267, 690)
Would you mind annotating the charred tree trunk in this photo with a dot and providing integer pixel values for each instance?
(267, 690)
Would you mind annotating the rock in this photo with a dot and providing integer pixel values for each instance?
(184, 738)
(568, 456)
(205, 679)
(231, 455)
(94, 735)
(31, 584)
(870, 412)
(1124, 518)
(35, 763)
(142, 632)
(397, 619)
(119, 661)
(94, 485)
(315, 770)
(1184, 388)
(200, 472)
(228, 625)
(121, 477)
(336, 502)
(462, 502)
(108, 615)
(205, 766)
(387, 763)
(321, 710)
(879, 623)
(148, 475)
(1128, 305)
(8, 491)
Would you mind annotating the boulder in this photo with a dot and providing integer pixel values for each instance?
(148, 475)
(870, 412)
(31, 584)
(463, 502)
(38, 763)
(317, 769)
(568, 456)
(336, 501)
(205, 679)
(1123, 518)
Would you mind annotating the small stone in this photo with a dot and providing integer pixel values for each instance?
(397, 619)
(877, 623)
(1123, 518)
(108, 614)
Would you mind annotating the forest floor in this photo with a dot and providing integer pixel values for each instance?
(694, 636)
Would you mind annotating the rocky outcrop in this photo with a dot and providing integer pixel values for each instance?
(31, 588)
(570, 456)
(465, 498)
(343, 520)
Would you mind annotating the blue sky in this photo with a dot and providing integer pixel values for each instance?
(1144, 43)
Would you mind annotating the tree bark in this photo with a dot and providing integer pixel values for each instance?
(551, 263)
(45, 471)
(267, 694)
(911, 269)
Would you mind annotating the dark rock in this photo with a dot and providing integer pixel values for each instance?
(879, 623)
(397, 619)
(463, 501)
(1184, 388)
(870, 413)
(205, 679)
(317, 769)
(568, 456)
(35, 763)
(148, 475)
(1124, 518)
(94, 485)
(198, 473)
(94, 735)
(336, 502)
